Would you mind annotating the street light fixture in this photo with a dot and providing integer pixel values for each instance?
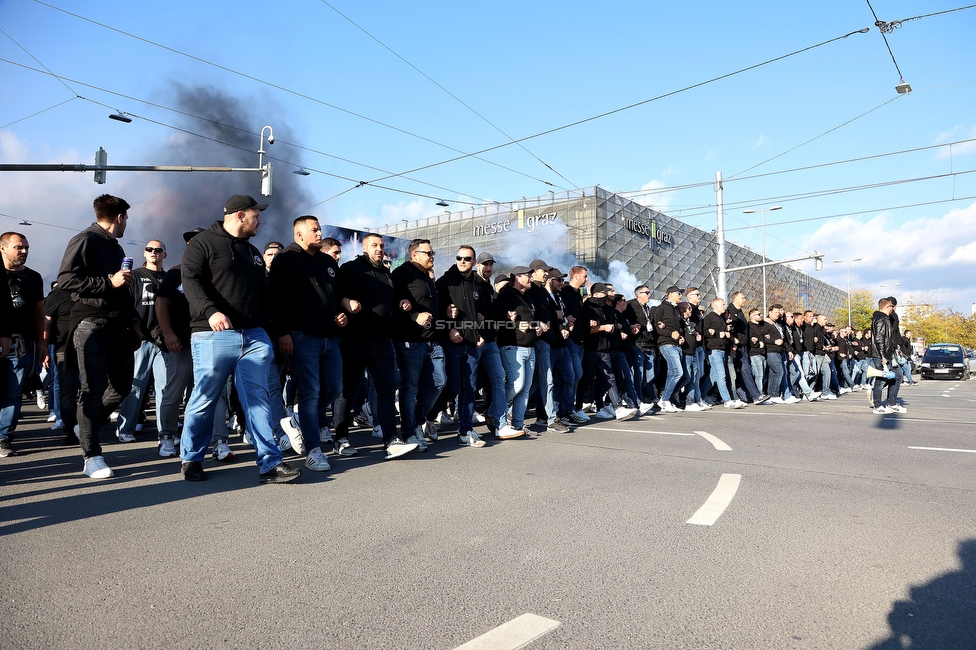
(848, 262)
(762, 212)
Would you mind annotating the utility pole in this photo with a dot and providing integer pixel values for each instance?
(720, 236)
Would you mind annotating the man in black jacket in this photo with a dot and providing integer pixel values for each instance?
(599, 319)
(306, 319)
(740, 350)
(884, 343)
(545, 400)
(573, 300)
(415, 337)
(223, 280)
(104, 326)
(667, 323)
(644, 350)
(366, 344)
(463, 302)
(518, 331)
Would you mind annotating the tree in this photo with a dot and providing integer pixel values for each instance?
(863, 307)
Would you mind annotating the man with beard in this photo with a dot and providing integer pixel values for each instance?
(224, 283)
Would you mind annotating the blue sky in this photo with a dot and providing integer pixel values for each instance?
(346, 94)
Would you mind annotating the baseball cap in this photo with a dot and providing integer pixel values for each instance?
(190, 234)
(521, 270)
(240, 202)
(598, 287)
(273, 244)
(672, 289)
(485, 257)
(556, 274)
(535, 265)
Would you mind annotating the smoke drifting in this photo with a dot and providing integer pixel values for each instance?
(178, 202)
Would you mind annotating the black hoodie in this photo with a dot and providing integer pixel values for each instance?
(414, 284)
(467, 294)
(223, 273)
(372, 287)
(304, 293)
(520, 330)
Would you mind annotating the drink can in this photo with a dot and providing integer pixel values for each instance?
(127, 263)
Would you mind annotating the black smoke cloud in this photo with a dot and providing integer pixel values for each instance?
(181, 201)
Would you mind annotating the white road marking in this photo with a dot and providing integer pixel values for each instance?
(965, 451)
(660, 433)
(945, 395)
(718, 444)
(792, 415)
(944, 421)
(717, 502)
(517, 633)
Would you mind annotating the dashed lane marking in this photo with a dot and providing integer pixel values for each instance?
(660, 433)
(718, 444)
(717, 502)
(964, 451)
(517, 633)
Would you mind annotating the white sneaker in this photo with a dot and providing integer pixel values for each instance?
(508, 432)
(606, 413)
(741, 404)
(644, 408)
(41, 400)
(418, 440)
(897, 408)
(294, 435)
(777, 400)
(114, 417)
(792, 399)
(316, 461)
(95, 467)
(479, 418)
(167, 447)
(343, 448)
(589, 407)
(667, 406)
(693, 407)
(444, 418)
(733, 404)
(398, 448)
(378, 432)
(123, 436)
(705, 406)
(284, 444)
(829, 396)
(624, 412)
(222, 452)
(472, 439)
(582, 416)
(843, 390)
(430, 430)
(52, 417)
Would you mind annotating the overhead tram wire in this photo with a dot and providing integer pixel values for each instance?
(889, 27)
(630, 106)
(43, 110)
(294, 93)
(879, 24)
(216, 123)
(455, 97)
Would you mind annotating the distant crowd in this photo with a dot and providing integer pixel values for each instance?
(292, 349)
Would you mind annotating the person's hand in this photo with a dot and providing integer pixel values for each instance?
(455, 336)
(405, 305)
(424, 318)
(121, 278)
(341, 319)
(452, 311)
(172, 342)
(285, 345)
(219, 322)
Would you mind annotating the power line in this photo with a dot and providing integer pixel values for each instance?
(889, 27)
(455, 97)
(44, 110)
(286, 90)
(879, 24)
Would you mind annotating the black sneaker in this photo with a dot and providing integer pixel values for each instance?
(193, 471)
(281, 473)
(6, 449)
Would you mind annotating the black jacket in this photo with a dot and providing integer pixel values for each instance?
(543, 309)
(740, 326)
(414, 284)
(90, 258)
(666, 321)
(713, 339)
(642, 315)
(574, 307)
(223, 273)
(758, 332)
(775, 331)
(595, 309)
(467, 294)
(519, 330)
(884, 339)
(372, 287)
(305, 293)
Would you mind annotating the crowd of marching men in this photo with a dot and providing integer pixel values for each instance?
(293, 347)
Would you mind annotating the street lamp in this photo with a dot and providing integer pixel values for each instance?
(848, 262)
(762, 213)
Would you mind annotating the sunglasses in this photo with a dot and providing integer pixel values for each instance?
(646, 293)
(150, 249)
(464, 259)
(427, 253)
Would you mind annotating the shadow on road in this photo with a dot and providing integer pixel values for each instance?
(941, 614)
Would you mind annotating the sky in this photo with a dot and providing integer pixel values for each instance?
(384, 103)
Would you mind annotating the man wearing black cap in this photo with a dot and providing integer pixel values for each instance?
(517, 334)
(599, 320)
(104, 326)
(667, 322)
(543, 382)
(490, 359)
(563, 376)
(223, 279)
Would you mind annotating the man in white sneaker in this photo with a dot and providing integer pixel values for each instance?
(306, 319)
(598, 317)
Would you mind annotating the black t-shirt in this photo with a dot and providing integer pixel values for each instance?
(57, 307)
(26, 290)
(145, 287)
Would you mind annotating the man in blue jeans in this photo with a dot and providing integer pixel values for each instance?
(306, 318)
(223, 280)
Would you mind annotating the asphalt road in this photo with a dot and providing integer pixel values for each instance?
(847, 530)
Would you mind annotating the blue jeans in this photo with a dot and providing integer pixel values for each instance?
(906, 369)
(422, 379)
(821, 364)
(798, 376)
(693, 373)
(643, 363)
(491, 361)
(147, 362)
(743, 369)
(15, 370)
(704, 382)
(519, 363)
(316, 368)
(676, 369)
(575, 352)
(462, 378)
(179, 375)
(758, 363)
(717, 373)
(542, 383)
(774, 386)
(563, 376)
(624, 376)
(247, 354)
(880, 383)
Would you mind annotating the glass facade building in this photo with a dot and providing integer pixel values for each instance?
(618, 240)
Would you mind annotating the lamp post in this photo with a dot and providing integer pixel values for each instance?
(762, 213)
(848, 262)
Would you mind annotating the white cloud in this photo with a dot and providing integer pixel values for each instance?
(929, 256)
(654, 194)
(761, 142)
(957, 133)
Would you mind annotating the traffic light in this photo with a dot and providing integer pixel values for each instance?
(818, 264)
(266, 180)
(101, 160)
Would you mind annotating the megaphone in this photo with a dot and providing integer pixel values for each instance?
(876, 372)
